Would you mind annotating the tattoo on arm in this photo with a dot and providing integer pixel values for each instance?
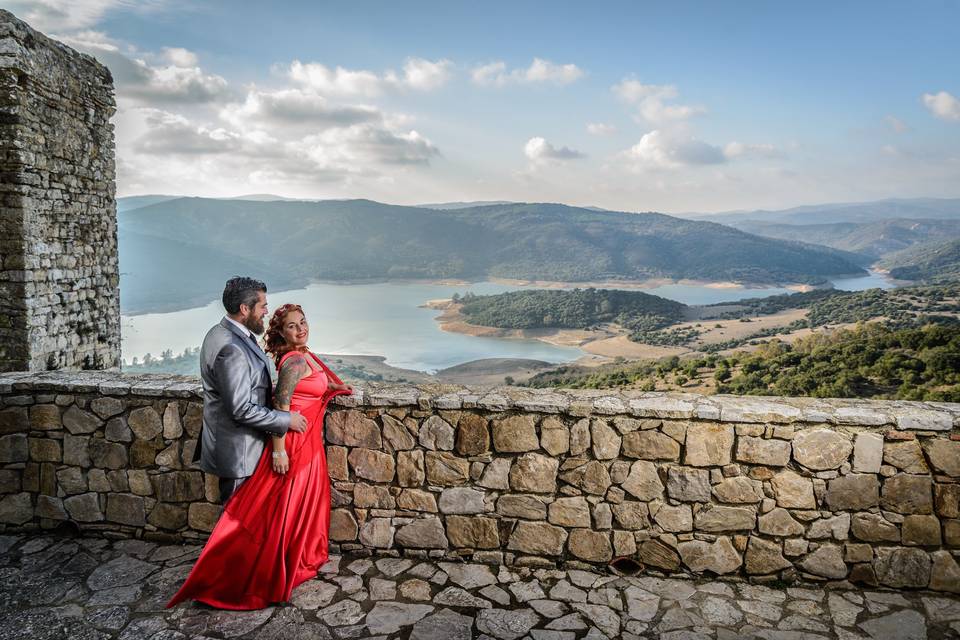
(291, 372)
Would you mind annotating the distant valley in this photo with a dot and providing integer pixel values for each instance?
(177, 251)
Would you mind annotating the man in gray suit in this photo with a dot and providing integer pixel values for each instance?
(238, 412)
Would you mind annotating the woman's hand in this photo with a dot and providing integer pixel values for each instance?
(281, 462)
(342, 387)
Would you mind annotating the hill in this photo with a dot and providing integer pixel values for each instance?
(351, 240)
(860, 212)
(866, 241)
(932, 262)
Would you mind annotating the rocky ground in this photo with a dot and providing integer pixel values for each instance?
(92, 589)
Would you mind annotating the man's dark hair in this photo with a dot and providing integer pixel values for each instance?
(240, 290)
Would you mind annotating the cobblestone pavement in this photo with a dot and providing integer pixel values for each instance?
(92, 589)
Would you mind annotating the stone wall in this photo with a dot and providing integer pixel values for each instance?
(772, 488)
(59, 302)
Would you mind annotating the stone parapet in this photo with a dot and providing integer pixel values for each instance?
(760, 488)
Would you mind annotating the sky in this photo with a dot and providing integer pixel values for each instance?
(634, 106)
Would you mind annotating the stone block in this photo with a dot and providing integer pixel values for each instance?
(554, 436)
(656, 554)
(908, 494)
(368, 464)
(145, 423)
(71, 480)
(687, 485)
(535, 473)
(446, 469)
(589, 545)
(772, 453)
(631, 515)
(900, 567)
(719, 557)
(606, 441)
(44, 450)
(873, 527)
(343, 526)
(826, 561)
(423, 533)
(337, 463)
(522, 506)
(473, 532)
(906, 456)
(793, 491)
(352, 428)
(592, 478)
(538, 538)
(410, 469)
(51, 507)
(118, 430)
(515, 434)
(919, 530)
(569, 512)
(738, 490)
(708, 444)
(84, 508)
(168, 516)
(643, 481)
(178, 486)
(107, 455)
(44, 417)
(764, 557)
(13, 448)
(716, 519)
(417, 500)
(14, 420)
(650, 445)
(675, 519)
(106, 407)
(16, 508)
(854, 491)
(946, 500)
(203, 516)
(377, 533)
(398, 436)
(126, 509)
(436, 434)
(366, 496)
(461, 501)
(473, 435)
(868, 453)
(821, 449)
(944, 455)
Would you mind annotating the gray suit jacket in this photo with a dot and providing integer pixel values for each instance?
(237, 403)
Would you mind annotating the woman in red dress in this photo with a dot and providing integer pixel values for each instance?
(273, 532)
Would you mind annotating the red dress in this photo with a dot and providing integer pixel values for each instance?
(273, 532)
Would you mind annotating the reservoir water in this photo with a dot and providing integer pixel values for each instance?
(387, 319)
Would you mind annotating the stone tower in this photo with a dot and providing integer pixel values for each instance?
(59, 280)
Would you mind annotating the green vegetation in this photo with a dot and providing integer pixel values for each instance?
(575, 309)
(869, 361)
(937, 262)
(185, 364)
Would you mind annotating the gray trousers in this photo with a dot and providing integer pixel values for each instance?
(228, 486)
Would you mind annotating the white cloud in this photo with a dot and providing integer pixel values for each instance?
(898, 125)
(740, 150)
(170, 134)
(539, 71)
(296, 109)
(539, 150)
(660, 150)
(62, 15)
(650, 101)
(943, 105)
(600, 129)
(418, 74)
(172, 76)
(425, 75)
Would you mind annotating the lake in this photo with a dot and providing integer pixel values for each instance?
(386, 319)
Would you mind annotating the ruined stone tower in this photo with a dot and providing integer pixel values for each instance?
(59, 280)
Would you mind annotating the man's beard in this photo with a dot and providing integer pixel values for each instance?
(254, 324)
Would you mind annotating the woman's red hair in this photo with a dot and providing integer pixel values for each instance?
(275, 343)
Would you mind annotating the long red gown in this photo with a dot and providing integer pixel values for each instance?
(273, 533)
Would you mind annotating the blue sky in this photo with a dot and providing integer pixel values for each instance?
(681, 106)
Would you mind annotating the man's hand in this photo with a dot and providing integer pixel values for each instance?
(297, 422)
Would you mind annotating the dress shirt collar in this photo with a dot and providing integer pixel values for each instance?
(242, 328)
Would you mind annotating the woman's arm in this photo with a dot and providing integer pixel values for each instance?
(293, 370)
